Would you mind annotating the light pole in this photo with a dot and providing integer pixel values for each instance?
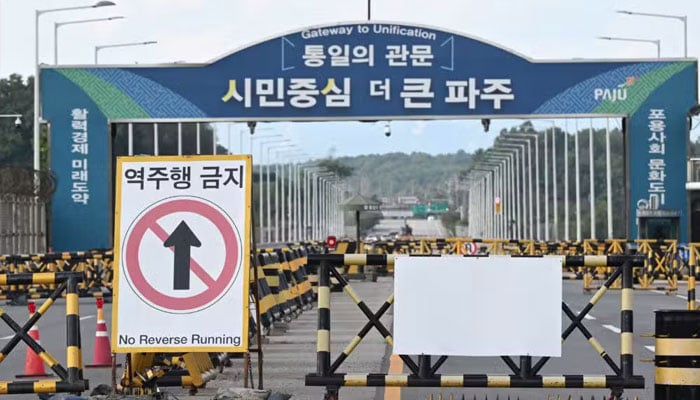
(682, 18)
(57, 25)
(267, 169)
(111, 46)
(537, 177)
(608, 180)
(280, 212)
(656, 42)
(520, 138)
(519, 173)
(555, 222)
(260, 177)
(37, 96)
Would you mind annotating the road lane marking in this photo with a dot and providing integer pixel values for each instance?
(682, 297)
(612, 328)
(7, 337)
(587, 316)
(659, 292)
(651, 348)
(86, 317)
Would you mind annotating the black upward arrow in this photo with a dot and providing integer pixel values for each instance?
(182, 239)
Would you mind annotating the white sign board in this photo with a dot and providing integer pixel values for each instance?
(181, 246)
(485, 306)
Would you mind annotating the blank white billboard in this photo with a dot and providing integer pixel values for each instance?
(486, 306)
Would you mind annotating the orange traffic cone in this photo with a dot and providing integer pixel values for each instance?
(102, 353)
(33, 365)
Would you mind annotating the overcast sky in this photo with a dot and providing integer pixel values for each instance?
(202, 30)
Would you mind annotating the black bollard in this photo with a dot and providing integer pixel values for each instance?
(677, 355)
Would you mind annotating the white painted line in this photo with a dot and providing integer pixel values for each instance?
(658, 291)
(86, 317)
(612, 328)
(682, 297)
(589, 317)
(7, 337)
(651, 348)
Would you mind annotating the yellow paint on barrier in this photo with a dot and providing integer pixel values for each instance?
(593, 381)
(395, 367)
(677, 347)
(677, 376)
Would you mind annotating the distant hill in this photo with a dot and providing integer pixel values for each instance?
(399, 174)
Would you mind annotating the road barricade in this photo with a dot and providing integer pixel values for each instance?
(677, 355)
(95, 265)
(70, 377)
(424, 373)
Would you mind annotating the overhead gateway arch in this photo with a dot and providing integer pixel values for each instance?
(361, 71)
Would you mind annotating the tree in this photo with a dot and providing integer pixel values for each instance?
(339, 169)
(17, 97)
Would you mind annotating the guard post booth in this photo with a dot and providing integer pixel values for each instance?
(659, 224)
(693, 189)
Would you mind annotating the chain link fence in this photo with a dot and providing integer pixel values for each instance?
(24, 195)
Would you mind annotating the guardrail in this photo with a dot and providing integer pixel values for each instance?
(424, 373)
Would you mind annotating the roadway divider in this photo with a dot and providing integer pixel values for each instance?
(70, 378)
(424, 373)
(95, 265)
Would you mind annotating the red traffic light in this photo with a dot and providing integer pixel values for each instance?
(331, 241)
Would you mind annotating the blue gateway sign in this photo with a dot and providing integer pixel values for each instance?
(360, 71)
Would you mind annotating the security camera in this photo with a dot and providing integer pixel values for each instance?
(387, 130)
(18, 123)
(251, 126)
(486, 123)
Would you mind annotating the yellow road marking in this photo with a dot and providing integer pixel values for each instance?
(395, 367)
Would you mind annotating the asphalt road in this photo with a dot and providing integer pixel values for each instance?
(421, 227)
(578, 356)
(52, 331)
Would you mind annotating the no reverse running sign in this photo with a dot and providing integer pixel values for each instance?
(181, 254)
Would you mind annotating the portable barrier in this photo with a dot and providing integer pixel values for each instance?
(693, 274)
(277, 283)
(424, 373)
(677, 355)
(146, 372)
(96, 265)
(70, 378)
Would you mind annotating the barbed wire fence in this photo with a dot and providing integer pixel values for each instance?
(24, 198)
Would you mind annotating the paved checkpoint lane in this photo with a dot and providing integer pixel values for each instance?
(52, 330)
(578, 357)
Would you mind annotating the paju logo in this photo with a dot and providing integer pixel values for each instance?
(618, 93)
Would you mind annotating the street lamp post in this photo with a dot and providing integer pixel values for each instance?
(111, 46)
(267, 169)
(682, 18)
(57, 25)
(37, 72)
(656, 42)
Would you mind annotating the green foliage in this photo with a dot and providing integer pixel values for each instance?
(400, 174)
(17, 97)
(339, 169)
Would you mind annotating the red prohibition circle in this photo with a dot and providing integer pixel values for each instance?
(149, 221)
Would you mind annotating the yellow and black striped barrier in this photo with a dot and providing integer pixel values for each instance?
(424, 373)
(71, 378)
(677, 355)
(95, 265)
